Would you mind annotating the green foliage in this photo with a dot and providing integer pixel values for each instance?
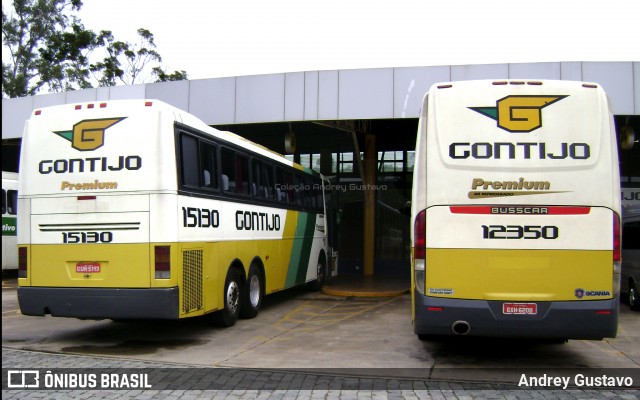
(51, 50)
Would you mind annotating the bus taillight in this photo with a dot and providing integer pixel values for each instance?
(22, 262)
(163, 262)
(617, 254)
(616, 238)
(419, 249)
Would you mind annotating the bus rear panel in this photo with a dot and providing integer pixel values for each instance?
(516, 211)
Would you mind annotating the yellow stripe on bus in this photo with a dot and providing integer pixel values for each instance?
(519, 275)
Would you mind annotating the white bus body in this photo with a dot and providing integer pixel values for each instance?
(135, 209)
(516, 211)
(9, 220)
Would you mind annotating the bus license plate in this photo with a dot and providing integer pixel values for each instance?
(84, 267)
(520, 308)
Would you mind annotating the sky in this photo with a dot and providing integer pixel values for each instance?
(216, 38)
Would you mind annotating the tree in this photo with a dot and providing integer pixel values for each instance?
(126, 63)
(162, 76)
(50, 50)
(35, 27)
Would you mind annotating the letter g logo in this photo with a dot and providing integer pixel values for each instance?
(88, 134)
(518, 113)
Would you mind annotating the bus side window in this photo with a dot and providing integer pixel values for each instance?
(208, 165)
(225, 182)
(242, 174)
(267, 179)
(189, 161)
(299, 190)
(258, 188)
(12, 202)
(228, 170)
(4, 202)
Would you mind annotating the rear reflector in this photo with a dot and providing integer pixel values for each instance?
(22, 262)
(163, 262)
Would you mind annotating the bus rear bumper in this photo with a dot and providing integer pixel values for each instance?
(98, 303)
(593, 319)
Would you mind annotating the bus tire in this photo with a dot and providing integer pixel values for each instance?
(634, 300)
(252, 294)
(321, 275)
(232, 299)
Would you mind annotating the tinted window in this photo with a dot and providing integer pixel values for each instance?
(631, 236)
(12, 202)
(235, 172)
(208, 165)
(284, 186)
(189, 155)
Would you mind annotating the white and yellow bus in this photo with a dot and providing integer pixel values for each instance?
(134, 209)
(516, 211)
(9, 220)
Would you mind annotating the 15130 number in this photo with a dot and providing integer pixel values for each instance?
(87, 237)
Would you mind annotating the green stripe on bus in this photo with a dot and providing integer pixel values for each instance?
(301, 250)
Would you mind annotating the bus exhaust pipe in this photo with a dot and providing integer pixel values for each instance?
(460, 327)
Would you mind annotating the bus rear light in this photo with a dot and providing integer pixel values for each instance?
(22, 262)
(163, 262)
(90, 105)
(103, 105)
(148, 103)
(616, 238)
(435, 308)
(603, 312)
(77, 107)
(38, 112)
(617, 254)
(420, 249)
(86, 197)
(420, 235)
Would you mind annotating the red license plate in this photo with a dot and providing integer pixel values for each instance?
(84, 267)
(520, 308)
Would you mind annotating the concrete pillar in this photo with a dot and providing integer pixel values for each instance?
(369, 181)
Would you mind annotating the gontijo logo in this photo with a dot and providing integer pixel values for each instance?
(88, 134)
(518, 113)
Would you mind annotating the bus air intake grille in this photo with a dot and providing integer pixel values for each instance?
(191, 280)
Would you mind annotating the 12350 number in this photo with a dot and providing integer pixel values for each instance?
(519, 232)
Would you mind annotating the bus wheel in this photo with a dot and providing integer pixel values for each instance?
(252, 299)
(634, 300)
(320, 276)
(232, 299)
